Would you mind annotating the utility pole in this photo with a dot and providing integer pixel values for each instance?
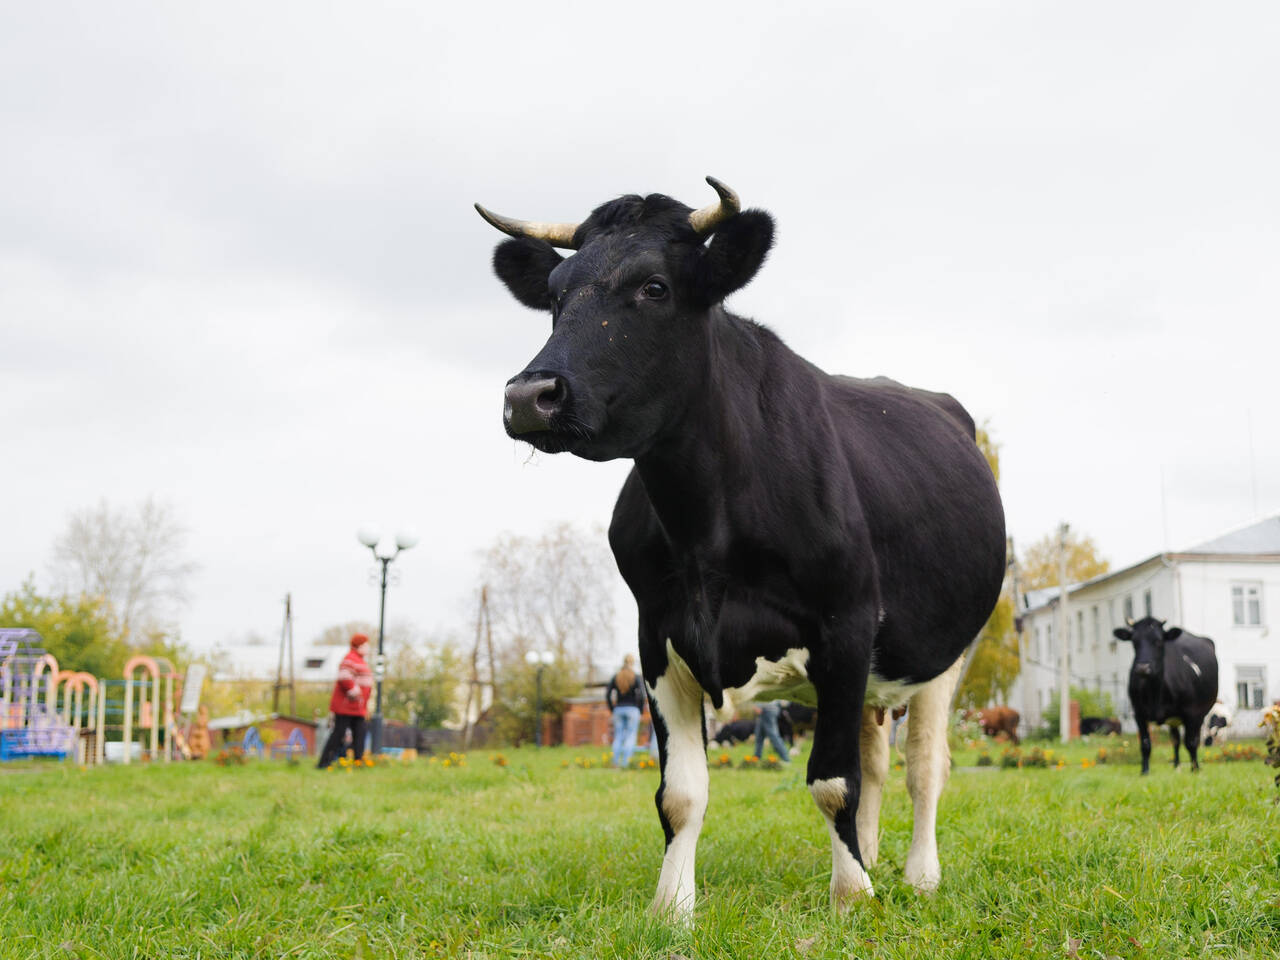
(473, 685)
(1064, 648)
(286, 637)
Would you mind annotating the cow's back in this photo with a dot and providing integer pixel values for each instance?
(1190, 676)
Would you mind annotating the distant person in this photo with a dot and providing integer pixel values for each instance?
(625, 697)
(350, 702)
(767, 726)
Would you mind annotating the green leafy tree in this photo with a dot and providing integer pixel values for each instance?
(423, 688)
(1039, 563)
(80, 632)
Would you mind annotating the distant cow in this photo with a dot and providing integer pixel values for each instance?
(1217, 725)
(997, 720)
(735, 731)
(798, 719)
(1103, 725)
(1173, 680)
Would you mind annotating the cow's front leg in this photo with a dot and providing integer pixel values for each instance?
(682, 795)
(874, 744)
(835, 776)
(1144, 744)
(928, 769)
(1174, 737)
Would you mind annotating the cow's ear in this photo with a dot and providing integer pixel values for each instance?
(1173, 633)
(524, 265)
(734, 255)
(1121, 633)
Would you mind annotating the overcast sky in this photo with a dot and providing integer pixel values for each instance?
(240, 271)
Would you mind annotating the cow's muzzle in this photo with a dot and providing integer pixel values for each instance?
(1144, 669)
(531, 403)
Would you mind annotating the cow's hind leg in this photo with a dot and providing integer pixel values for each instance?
(1174, 735)
(928, 768)
(682, 794)
(874, 744)
(835, 777)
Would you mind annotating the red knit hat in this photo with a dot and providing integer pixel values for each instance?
(358, 638)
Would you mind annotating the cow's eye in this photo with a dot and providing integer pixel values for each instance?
(653, 290)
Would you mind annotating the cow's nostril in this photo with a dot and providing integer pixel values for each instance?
(550, 399)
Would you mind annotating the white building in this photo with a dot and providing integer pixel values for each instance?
(1227, 589)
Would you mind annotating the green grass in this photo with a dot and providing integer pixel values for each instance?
(536, 860)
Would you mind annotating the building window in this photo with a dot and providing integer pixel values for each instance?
(1097, 627)
(1146, 601)
(1079, 631)
(1128, 609)
(1251, 687)
(1246, 604)
(1037, 647)
(1048, 643)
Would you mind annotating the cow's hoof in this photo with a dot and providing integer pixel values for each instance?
(676, 913)
(849, 884)
(924, 880)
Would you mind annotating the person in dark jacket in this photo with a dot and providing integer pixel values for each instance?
(625, 697)
(350, 702)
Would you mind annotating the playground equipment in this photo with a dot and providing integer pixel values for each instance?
(30, 725)
(46, 711)
(83, 711)
(154, 712)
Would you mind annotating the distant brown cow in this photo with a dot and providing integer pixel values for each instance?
(997, 720)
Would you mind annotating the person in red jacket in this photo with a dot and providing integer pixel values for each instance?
(350, 702)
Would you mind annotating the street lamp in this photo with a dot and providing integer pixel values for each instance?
(371, 538)
(540, 660)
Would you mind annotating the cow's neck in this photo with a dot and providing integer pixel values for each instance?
(693, 473)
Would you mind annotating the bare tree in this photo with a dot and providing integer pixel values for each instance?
(339, 634)
(553, 593)
(135, 559)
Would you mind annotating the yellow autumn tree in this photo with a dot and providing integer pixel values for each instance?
(995, 662)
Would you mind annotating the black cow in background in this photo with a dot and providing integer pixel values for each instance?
(735, 731)
(1106, 726)
(1173, 680)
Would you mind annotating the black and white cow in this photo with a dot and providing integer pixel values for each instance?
(786, 533)
(1218, 724)
(1173, 680)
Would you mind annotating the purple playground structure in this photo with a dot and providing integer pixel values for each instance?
(30, 724)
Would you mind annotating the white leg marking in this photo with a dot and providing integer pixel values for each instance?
(685, 784)
(874, 744)
(928, 768)
(849, 882)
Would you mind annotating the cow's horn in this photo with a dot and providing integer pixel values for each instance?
(708, 218)
(1128, 621)
(556, 234)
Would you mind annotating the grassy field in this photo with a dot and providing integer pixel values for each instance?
(543, 858)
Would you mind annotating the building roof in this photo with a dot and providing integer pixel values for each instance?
(1258, 539)
(312, 664)
(1261, 536)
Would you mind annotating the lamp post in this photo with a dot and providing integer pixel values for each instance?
(540, 660)
(371, 539)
